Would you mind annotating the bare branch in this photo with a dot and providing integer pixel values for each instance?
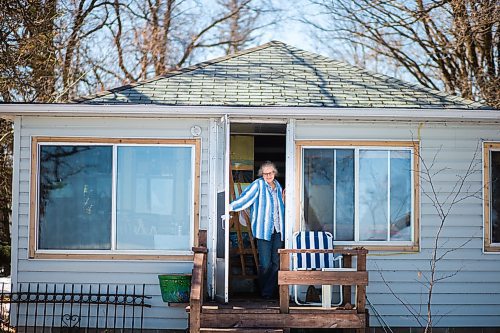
(408, 307)
(446, 44)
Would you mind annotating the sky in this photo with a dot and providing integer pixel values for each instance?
(290, 29)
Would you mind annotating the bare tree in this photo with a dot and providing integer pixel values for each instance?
(55, 50)
(42, 47)
(443, 44)
(78, 24)
(443, 206)
(6, 146)
(152, 37)
(246, 25)
(27, 51)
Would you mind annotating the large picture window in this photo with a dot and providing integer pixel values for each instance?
(114, 196)
(363, 193)
(491, 161)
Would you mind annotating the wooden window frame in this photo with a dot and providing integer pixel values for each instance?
(415, 246)
(33, 252)
(487, 148)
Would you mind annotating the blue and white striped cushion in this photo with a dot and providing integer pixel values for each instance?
(314, 240)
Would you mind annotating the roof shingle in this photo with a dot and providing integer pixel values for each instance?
(276, 74)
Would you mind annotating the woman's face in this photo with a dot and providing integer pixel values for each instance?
(268, 174)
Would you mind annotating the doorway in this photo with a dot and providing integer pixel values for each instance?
(251, 144)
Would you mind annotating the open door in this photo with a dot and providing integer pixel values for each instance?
(222, 218)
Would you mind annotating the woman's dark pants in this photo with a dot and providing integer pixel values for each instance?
(269, 263)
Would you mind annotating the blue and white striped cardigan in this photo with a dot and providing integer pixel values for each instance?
(258, 196)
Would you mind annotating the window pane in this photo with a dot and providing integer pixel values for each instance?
(495, 196)
(75, 197)
(401, 195)
(345, 195)
(154, 198)
(320, 192)
(318, 189)
(373, 177)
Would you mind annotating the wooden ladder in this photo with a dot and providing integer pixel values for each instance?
(241, 250)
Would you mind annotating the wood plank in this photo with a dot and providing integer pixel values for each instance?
(33, 197)
(194, 317)
(355, 143)
(416, 196)
(197, 185)
(306, 278)
(284, 298)
(289, 320)
(178, 305)
(197, 277)
(240, 310)
(249, 303)
(250, 306)
(361, 290)
(361, 266)
(264, 308)
(202, 238)
(352, 252)
(361, 299)
(283, 289)
(196, 296)
(298, 181)
(346, 290)
(117, 140)
(199, 249)
(117, 256)
(242, 330)
(319, 310)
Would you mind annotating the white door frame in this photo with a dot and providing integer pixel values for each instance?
(219, 166)
(290, 183)
(219, 267)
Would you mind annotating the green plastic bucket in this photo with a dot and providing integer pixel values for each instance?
(175, 288)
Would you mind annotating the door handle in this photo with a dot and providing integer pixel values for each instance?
(223, 221)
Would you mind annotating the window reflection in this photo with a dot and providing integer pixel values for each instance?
(345, 194)
(319, 189)
(154, 197)
(154, 201)
(75, 197)
(373, 181)
(383, 193)
(329, 191)
(495, 196)
(400, 195)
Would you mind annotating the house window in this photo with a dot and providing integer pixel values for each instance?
(491, 161)
(114, 196)
(363, 193)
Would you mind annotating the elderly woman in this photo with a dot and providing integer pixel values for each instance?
(265, 198)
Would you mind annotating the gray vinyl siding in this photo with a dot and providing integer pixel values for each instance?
(105, 271)
(471, 297)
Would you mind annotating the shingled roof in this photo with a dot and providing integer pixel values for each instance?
(277, 74)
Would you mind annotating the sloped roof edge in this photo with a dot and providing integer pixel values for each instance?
(161, 111)
(179, 71)
(441, 99)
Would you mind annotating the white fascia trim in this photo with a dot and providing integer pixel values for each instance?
(152, 110)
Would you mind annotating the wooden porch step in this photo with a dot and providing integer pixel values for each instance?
(242, 330)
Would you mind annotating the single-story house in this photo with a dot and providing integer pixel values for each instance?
(114, 188)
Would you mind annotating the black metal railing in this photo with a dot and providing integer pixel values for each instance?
(43, 307)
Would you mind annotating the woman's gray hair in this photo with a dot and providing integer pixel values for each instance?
(268, 164)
